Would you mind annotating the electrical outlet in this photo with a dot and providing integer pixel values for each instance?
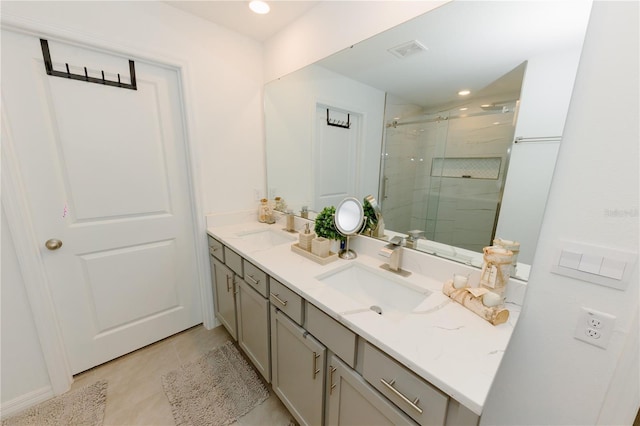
(594, 322)
(595, 327)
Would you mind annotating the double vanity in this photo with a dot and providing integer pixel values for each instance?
(350, 342)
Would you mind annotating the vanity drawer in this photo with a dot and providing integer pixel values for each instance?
(421, 401)
(334, 335)
(233, 260)
(256, 278)
(286, 300)
(216, 248)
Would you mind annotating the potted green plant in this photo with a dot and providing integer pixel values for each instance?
(371, 219)
(325, 225)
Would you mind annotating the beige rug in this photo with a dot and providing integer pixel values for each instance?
(217, 389)
(81, 407)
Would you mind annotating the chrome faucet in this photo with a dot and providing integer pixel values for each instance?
(393, 251)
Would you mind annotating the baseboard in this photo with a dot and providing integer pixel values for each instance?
(25, 401)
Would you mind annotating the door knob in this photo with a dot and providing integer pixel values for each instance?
(53, 244)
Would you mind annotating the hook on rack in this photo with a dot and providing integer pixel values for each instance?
(338, 123)
(48, 65)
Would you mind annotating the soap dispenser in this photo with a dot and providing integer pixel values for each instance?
(305, 238)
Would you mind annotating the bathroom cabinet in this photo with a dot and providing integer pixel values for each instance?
(421, 401)
(298, 368)
(224, 288)
(351, 400)
(323, 371)
(240, 292)
(253, 327)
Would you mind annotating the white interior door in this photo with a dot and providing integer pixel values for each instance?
(335, 158)
(105, 172)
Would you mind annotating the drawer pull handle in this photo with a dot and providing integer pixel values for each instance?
(412, 404)
(316, 370)
(283, 302)
(333, 385)
(253, 280)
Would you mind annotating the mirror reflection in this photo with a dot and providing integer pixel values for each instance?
(385, 117)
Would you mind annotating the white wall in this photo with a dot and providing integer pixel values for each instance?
(24, 371)
(547, 376)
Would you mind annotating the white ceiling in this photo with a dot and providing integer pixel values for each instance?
(236, 15)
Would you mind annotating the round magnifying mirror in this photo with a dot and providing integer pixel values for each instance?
(348, 219)
(349, 216)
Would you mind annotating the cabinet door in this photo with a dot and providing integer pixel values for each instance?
(224, 295)
(253, 327)
(297, 369)
(352, 401)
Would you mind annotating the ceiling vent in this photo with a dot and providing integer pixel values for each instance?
(407, 49)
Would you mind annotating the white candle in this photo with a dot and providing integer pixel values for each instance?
(460, 281)
(491, 299)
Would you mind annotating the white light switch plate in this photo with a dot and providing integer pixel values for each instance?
(594, 264)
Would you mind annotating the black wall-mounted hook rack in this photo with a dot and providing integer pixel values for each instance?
(48, 65)
(338, 123)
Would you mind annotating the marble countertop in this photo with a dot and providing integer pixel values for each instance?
(440, 340)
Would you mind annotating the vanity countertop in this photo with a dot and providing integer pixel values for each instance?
(441, 341)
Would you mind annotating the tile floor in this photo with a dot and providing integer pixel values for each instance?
(135, 395)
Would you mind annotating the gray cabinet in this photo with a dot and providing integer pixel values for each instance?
(298, 369)
(352, 401)
(224, 288)
(423, 402)
(253, 327)
(309, 357)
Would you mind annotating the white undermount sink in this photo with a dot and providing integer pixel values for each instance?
(378, 290)
(266, 238)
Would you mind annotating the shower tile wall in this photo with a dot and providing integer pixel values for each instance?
(455, 211)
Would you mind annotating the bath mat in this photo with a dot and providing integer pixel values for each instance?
(217, 389)
(81, 407)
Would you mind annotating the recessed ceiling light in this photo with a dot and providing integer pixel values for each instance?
(259, 7)
(464, 92)
(496, 122)
(485, 105)
(464, 109)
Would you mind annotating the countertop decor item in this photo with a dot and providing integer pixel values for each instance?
(348, 219)
(279, 204)
(306, 237)
(496, 269)
(325, 225)
(513, 247)
(264, 211)
(322, 260)
(471, 298)
(320, 246)
(374, 225)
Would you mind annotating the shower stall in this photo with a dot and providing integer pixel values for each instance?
(443, 174)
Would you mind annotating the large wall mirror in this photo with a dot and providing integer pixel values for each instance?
(385, 117)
